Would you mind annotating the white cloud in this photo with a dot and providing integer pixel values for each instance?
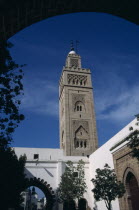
(114, 100)
(40, 96)
(118, 102)
(35, 49)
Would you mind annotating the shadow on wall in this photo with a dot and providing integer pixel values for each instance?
(28, 174)
(48, 172)
(95, 206)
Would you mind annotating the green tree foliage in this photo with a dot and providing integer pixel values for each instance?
(106, 186)
(72, 185)
(134, 144)
(11, 89)
(12, 179)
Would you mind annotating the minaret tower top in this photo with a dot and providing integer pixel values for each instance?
(73, 59)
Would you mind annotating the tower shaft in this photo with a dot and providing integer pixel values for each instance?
(78, 134)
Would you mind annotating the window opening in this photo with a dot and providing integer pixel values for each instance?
(85, 144)
(79, 106)
(36, 156)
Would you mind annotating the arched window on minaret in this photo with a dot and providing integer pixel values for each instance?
(79, 107)
(81, 138)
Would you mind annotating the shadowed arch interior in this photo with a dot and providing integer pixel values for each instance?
(132, 191)
(17, 15)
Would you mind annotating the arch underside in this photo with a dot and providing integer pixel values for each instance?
(46, 189)
(16, 15)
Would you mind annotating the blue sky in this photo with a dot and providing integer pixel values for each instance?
(109, 46)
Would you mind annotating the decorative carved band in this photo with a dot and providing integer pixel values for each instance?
(74, 79)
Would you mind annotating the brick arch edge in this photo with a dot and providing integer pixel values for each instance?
(46, 189)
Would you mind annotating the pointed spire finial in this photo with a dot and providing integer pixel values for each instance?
(71, 45)
(77, 42)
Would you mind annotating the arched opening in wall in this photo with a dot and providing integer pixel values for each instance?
(81, 138)
(82, 205)
(79, 106)
(33, 199)
(37, 195)
(132, 191)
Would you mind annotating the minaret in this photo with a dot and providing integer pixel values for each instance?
(78, 134)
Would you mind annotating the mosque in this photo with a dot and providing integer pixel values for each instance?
(78, 140)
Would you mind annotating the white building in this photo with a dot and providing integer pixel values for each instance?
(78, 138)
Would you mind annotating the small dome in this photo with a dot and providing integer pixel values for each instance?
(72, 52)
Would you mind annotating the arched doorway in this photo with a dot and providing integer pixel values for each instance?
(82, 205)
(45, 188)
(132, 191)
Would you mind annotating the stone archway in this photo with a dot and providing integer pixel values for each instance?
(132, 189)
(46, 189)
(16, 15)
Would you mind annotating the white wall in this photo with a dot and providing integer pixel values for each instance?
(103, 155)
(51, 164)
